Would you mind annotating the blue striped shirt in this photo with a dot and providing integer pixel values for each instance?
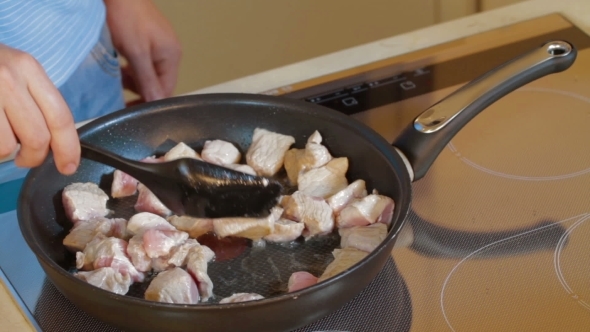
(58, 33)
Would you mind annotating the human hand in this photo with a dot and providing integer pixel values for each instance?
(147, 41)
(34, 113)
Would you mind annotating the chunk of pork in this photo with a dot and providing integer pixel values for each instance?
(107, 278)
(365, 238)
(368, 210)
(267, 151)
(250, 228)
(300, 280)
(107, 252)
(220, 152)
(173, 286)
(83, 232)
(84, 201)
(343, 259)
(241, 297)
(197, 259)
(325, 181)
(314, 212)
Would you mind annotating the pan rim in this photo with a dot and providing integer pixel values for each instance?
(385, 148)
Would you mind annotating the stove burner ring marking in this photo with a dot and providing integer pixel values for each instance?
(557, 262)
(455, 151)
(580, 218)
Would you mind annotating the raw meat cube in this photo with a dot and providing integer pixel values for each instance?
(365, 238)
(84, 232)
(343, 259)
(294, 164)
(220, 152)
(123, 185)
(241, 297)
(143, 221)
(366, 211)
(314, 212)
(108, 279)
(137, 254)
(241, 168)
(173, 286)
(195, 227)
(177, 257)
(341, 199)
(267, 151)
(251, 228)
(325, 181)
(84, 201)
(197, 259)
(285, 230)
(105, 251)
(181, 150)
(179, 254)
(158, 243)
(300, 280)
(300, 160)
(148, 202)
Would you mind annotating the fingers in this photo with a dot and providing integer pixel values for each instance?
(167, 69)
(29, 126)
(9, 143)
(59, 121)
(145, 76)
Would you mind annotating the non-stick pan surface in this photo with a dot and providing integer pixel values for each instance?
(145, 129)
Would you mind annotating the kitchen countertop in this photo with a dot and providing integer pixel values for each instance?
(577, 11)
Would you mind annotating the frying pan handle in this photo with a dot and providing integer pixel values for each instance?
(423, 140)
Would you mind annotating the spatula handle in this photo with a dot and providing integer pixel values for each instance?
(128, 166)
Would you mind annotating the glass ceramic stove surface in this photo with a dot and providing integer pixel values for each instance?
(497, 236)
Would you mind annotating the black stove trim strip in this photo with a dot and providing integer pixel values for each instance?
(364, 95)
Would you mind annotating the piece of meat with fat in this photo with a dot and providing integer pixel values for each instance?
(173, 286)
(148, 202)
(365, 238)
(343, 259)
(105, 251)
(195, 227)
(241, 297)
(285, 230)
(84, 201)
(177, 257)
(83, 232)
(325, 181)
(196, 264)
(312, 156)
(137, 254)
(180, 150)
(124, 185)
(365, 211)
(220, 152)
(314, 212)
(141, 222)
(158, 243)
(338, 201)
(266, 154)
(250, 228)
(107, 278)
(300, 280)
(242, 168)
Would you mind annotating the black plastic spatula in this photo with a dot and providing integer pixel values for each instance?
(193, 187)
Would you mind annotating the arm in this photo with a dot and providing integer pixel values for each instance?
(33, 112)
(146, 39)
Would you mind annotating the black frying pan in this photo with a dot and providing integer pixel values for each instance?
(140, 130)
